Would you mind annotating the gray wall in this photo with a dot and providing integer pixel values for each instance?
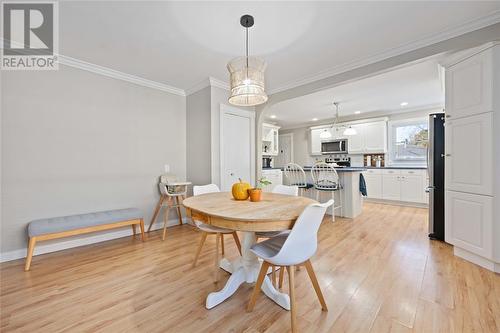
(198, 136)
(76, 142)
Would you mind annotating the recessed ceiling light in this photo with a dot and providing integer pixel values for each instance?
(315, 119)
(404, 104)
(357, 112)
(273, 116)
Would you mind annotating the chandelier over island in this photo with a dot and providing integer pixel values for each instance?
(246, 75)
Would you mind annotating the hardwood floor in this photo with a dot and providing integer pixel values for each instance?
(378, 273)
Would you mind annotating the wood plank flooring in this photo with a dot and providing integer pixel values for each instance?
(378, 273)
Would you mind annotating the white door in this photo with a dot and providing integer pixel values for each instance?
(375, 137)
(469, 86)
(237, 146)
(391, 185)
(356, 143)
(285, 150)
(469, 222)
(469, 150)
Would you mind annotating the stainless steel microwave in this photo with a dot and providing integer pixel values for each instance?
(338, 146)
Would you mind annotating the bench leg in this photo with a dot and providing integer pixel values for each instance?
(31, 248)
(133, 231)
(143, 238)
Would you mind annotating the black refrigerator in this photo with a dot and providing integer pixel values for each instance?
(435, 168)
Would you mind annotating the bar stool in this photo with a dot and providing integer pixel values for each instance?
(171, 196)
(297, 177)
(326, 179)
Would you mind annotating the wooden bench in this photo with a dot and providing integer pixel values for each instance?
(65, 226)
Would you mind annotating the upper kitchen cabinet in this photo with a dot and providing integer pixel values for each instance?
(469, 86)
(375, 137)
(356, 143)
(270, 140)
(315, 139)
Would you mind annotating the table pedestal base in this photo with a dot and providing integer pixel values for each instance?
(245, 269)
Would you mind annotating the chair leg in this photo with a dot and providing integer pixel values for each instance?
(200, 246)
(29, 256)
(237, 241)
(281, 277)
(165, 220)
(222, 243)
(258, 285)
(273, 275)
(178, 202)
(293, 305)
(333, 206)
(141, 225)
(315, 284)
(216, 263)
(157, 210)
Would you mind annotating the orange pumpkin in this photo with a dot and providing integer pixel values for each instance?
(240, 190)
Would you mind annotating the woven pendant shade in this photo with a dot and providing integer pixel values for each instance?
(247, 83)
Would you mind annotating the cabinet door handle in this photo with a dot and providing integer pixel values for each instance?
(448, 116)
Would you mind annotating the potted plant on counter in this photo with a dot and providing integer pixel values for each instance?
(256, 193)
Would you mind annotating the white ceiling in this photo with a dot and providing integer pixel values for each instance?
(183, 43)
(419, 85)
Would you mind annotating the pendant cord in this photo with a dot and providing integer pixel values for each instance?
(246, 47)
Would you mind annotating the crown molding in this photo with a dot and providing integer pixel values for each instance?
(460, 56)
(105, 71)
(470, 26)
(208, 82)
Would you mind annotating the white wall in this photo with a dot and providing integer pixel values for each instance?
(198, 118)
(76, 142)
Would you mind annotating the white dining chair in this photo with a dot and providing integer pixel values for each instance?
(279, 189)
(208, 229)
(326, 179)
(296, 176)
(290, 250)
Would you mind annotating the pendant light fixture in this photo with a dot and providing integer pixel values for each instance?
(246, 75)
(327, 132)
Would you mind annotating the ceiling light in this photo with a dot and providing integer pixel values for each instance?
(246, 75)
(314, 119)
(404, 104)
(273, 116)
(357, 112)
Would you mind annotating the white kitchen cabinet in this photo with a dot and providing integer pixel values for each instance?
(275, 176)
(373, 180)
(391, 185)
(472, 216)
(270, 136)
(315, 139)
(469, 154)
(469, 86)
(412, 188)
(356, 143)
(469, 222)
(375, 137)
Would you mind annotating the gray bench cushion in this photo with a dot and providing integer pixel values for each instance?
(65, 223)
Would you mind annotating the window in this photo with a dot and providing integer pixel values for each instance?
(408, 140)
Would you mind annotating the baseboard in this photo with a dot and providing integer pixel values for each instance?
(397, 203)
(475, 259)
(85, 240)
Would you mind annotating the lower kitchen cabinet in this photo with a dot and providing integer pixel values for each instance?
(469, 222)
(275, 176)
(406, 185)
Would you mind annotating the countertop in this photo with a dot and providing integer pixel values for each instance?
(398, 167)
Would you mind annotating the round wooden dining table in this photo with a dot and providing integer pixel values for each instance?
(275, 212)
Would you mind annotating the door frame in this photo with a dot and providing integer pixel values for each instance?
(226, 109)
(292, 157)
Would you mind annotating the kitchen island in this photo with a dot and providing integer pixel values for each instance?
(349, 195)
